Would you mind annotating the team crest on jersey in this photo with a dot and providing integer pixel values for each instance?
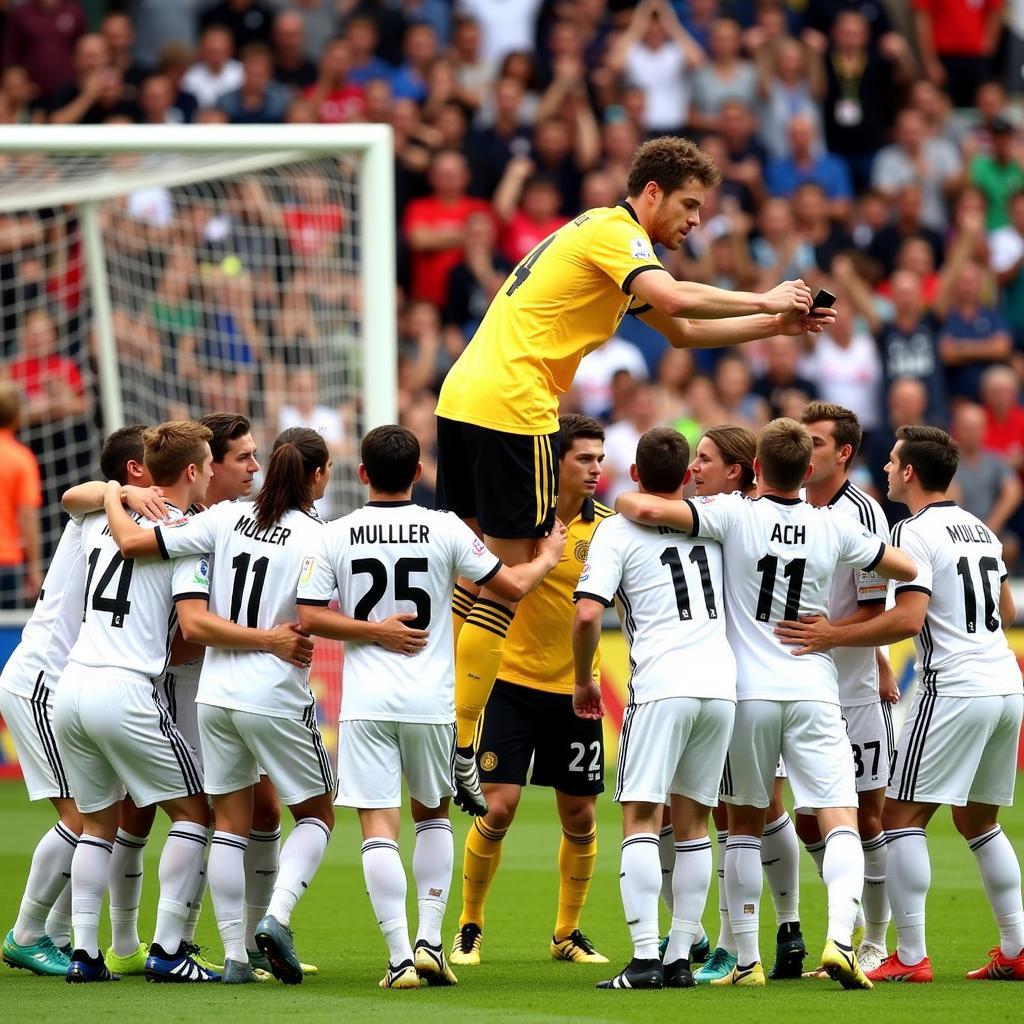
(489, 761)
(307, 570)
(706, 499)
(202, 572)
(581, 550)
(641, 249)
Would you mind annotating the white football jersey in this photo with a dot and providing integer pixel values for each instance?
(53, 627)
(961, 649)
(669, 587)
(130, 616)
(253, 584)
(384, 559)
(781, 555)
(851, 588)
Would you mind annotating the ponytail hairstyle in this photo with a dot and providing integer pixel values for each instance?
(298, 453)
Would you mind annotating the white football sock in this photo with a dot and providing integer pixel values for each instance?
(908, 877)
(691, 880)
(126, 891)
(47, 878)
(432, 861)
(875, 898)
(226, 874)
(842, 871)
(640, 886)
(195, 907)
(386, 885)
(300, 858)
(89, 872)
(726, 940)
(780, 858)
(667, 855)
(1000, 874)
(180, 864)
(817, 852)
(261, 862)
(58, 921)
(743, 882)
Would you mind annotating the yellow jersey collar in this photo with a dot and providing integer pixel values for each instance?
(629, 209)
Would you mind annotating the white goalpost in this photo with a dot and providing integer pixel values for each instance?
(153, 272)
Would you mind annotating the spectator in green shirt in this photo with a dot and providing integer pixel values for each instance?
(998, 174)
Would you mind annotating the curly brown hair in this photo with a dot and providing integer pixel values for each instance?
(670, 162)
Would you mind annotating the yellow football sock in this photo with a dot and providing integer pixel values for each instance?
(462, 605)
(479, 864)
(477, 661)
(576, 856)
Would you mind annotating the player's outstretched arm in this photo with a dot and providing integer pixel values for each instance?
(814, 634)
(654, 511)
(697, 301)
(586, 634)
(85, 498)
(393, 633)
(133, 541)
(199, 625)
(514, 582)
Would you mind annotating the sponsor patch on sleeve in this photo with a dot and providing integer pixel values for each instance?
(479, 547)
(308, 564)
(201, 573)
(182, 521)
(641, 249)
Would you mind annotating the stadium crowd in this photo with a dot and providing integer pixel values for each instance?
(871, 148)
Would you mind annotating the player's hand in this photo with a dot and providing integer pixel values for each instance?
(587, 702)
(789, 297)
(148, 501)
(554, 543)
(795, 324)
(888, 686)
(394, 634)
(813, 634)
(289, 643)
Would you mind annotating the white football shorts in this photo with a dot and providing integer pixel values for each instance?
(869, 727)
(374, 755)
(30, 723)
(952, 750)
(673, 746)
(811, 738)
(239, 745)
(115, 735)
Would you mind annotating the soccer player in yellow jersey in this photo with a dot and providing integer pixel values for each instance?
(497, 415)
(530, 717)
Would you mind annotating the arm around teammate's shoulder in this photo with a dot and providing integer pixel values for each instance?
(896, 565)
(133, 541)
(650, 510)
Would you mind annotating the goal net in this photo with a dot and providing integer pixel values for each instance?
(167, 272)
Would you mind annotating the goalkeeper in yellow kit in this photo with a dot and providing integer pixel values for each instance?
(497, 415)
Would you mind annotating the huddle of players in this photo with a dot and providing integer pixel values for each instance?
(780, 566)
(98, 719)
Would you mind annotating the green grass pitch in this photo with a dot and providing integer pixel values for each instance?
(518, 980)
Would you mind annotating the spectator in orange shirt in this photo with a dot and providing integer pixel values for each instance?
(435, 227)
(20, 499)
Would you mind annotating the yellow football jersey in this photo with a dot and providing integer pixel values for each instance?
(538, 650)
(565, 298)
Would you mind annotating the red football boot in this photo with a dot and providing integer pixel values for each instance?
(893, 969)
(1000, 968)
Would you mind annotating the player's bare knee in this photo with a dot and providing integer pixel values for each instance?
(70, 816)
(188, 808)
(974, 820)
(421, 812)
(136, 821)
(869, 822)
(746, 821)
(577, 814)
(266, 809)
